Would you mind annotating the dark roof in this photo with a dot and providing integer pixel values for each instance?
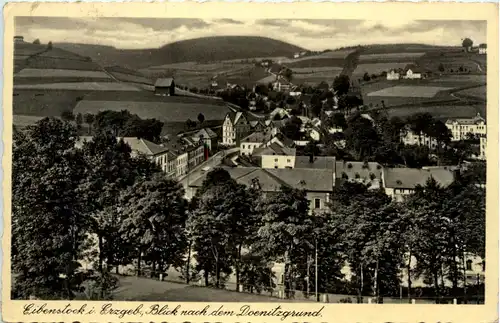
(411, 177)
(271, 180)
(319, 162)
(274, 149)
(206, 133)
(164, 82)
(359, 171)
(259, 136)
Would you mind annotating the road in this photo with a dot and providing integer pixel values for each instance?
(212, 162)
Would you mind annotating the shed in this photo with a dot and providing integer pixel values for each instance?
(165, 86)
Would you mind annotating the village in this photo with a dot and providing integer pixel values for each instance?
(177, 162)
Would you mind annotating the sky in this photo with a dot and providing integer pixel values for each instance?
(135, 33)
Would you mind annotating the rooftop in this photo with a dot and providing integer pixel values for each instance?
(259, 136)
(271, 180)
(319, 162)
(164, 82)
(467, 121)
(274, 149)
(411, 177)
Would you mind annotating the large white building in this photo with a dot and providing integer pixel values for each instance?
(460, 128)
(409, 137)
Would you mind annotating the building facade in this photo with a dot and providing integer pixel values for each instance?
(461, 128)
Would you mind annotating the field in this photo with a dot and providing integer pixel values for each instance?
(441, 112)
(164, 111)
(341, 54)
(390, 57)
(38, 62)
(405, 48)
(475, 92)
(45, 103)
(131, 78)
(309, 70)
(28, 49)
(48, 73)
(317, 62)
(410, 91)
(461, 79)
(51, 80)
(377, 68)
(86, 86)
(22, 121)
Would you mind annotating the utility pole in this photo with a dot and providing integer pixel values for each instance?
(316, 269)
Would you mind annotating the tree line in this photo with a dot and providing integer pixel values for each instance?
(97, 203)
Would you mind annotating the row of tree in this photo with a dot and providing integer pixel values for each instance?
(68, 199)
(120, 123)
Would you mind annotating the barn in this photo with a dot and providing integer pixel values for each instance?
(165, 86)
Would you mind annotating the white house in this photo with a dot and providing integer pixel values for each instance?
(460, 128)
(413, 72)
(482, 49)
(392, 75)
(275, 156)
(400, 182)
(482, 153)
(409, 137)
(254, 141)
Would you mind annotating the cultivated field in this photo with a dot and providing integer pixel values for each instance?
(309, 70)
(460, 79)
(131, 78)
(38, 62)
(377, 68)
(475, 92)
(45, 102)
(317, 62)
(28, 49)
(341, 54)
(441, 112)
(390, 57)
(22, 121)
(52, 80)
(164, 111)
(410, 91)
(86, 86)
(48, 73)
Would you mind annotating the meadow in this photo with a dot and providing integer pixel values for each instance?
(58, 73)
(410, 91)
(130, 78)
(39, 62)
(45, 102)
(389, 57)
(309, 70)
(164, 111)
(377, 68)
(475, 92)
(317, 62)
(85, 86)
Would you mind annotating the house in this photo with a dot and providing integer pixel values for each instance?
(482, 49)
(392, 75)
(207, 136)
(234, 126)
(482, 147)
(281, 85)
(296, 55)
(165, 87)
(368, 173)
(400, 182)
(413, 72)
(316, 162)
(280, 139)
(18, 39)
(254, 141)
(409, 137)
(317, 183)
(275, 156)
(159, 154)
(461, 127)
(314, 133)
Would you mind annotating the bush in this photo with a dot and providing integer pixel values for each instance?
(345, 300)
(349, 165)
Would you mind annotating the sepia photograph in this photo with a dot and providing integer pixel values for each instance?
(251, 160)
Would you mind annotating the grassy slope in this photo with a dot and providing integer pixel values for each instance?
(200, 49)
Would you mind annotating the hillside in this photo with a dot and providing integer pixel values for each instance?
(200, 50)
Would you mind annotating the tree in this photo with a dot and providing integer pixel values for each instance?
(153, 217)
(190, 123)
(341, 84)
(467, 44)
(361, 137)
(89, 120)
(286, 233)
(67, 115)
(48, 219)
(36, 42)
(366, 77)
(441, 67)
(288, 74)
(49, 45)
(338, 119)
(79, 120)
(421, 123)
(292, 128)
(201, 118)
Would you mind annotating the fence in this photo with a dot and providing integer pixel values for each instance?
(310, 296)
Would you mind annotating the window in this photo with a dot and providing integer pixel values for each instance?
(317, 203)
(484, 265)
(276, 160)
(288, 161)
(469, 265)
(243, 146)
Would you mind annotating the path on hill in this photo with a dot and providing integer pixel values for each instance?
(351, 62)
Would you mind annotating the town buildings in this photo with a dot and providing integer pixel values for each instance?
(482, 49)
(409, 137)
(461, 128)
(165, 87)
(401, 182)
(413, 72)
(254, 141)
(275, 156)
(392, 75)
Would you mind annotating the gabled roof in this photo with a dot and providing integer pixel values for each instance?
(164, 82)
(467, 121)
(271, 180)
(144, 146)
(274, 149)
(319, 162)
(482, 45)
(409, 178)
(358, 171)
(259, 137)
(207, 133)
